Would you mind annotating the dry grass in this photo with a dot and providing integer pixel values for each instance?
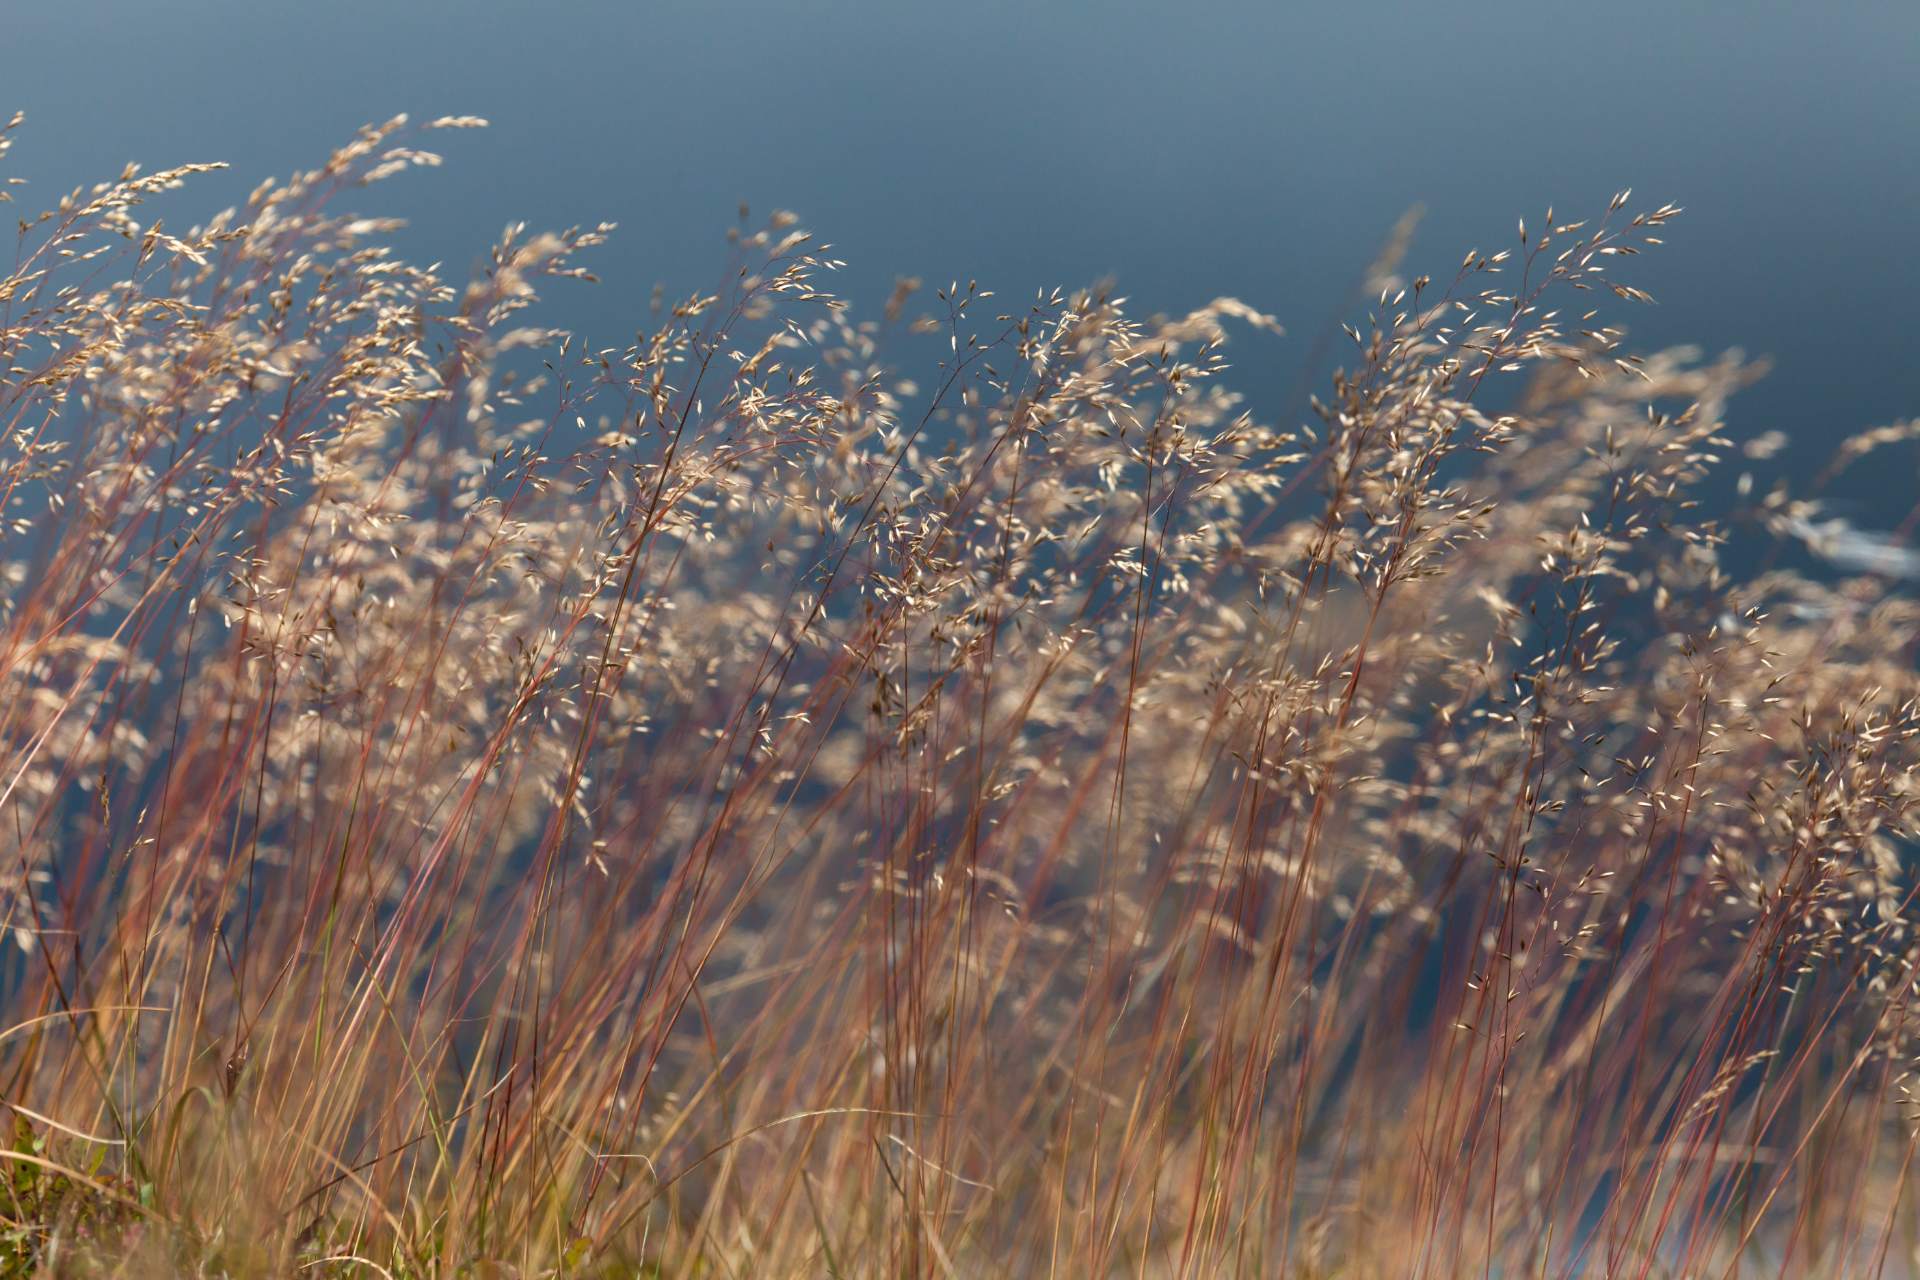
(477, 805)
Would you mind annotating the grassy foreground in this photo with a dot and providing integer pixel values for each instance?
(948, 794)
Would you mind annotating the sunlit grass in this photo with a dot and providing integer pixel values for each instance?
(956, 795)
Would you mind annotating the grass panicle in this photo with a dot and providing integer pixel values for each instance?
(952, 793)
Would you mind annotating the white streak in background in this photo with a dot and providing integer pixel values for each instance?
(1840, 543)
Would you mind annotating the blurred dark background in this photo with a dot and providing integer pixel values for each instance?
(1262, 150)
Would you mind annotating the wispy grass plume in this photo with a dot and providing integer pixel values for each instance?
(955, 793)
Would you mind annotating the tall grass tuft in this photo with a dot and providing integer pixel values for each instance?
(949, 794)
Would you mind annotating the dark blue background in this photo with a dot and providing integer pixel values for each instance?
(1191, 150)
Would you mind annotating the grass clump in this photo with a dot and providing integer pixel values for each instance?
(803, 795)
